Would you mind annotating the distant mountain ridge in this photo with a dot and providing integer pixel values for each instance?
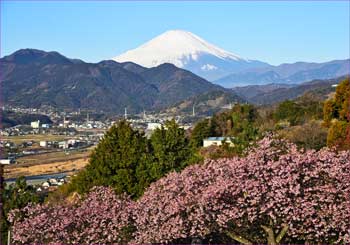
(295, 73)
(35, 78)
(274, 93)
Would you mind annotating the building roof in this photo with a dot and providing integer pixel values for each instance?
(217, 138)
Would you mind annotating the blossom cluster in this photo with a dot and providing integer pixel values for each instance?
(273, 187)
(100, 218)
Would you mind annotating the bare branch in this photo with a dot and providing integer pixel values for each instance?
(238, 238)
(270, 235)
(282, 233)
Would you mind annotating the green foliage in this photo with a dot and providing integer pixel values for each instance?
(128, 162)
(238, 123)
(120, 160)
(235, 121)
(286, 110)
(337, 117)
(243, 139)
(243, 118)
(203, 129)
(171, 148)
(299, 111)
(16, 195)
(244, 129)
(19, 194)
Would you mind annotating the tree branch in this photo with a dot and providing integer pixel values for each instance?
(238, 238)
(270, 235)
(282, 233)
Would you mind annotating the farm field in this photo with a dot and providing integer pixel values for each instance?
(49, 163)
(36, 137)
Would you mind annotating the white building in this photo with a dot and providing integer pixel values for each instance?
(153, 126)
(45, 184)
(6, 161)
(53, 181)
(43, 143)
(35, 124)
(45, 125)
(217, 141)
(63, 145)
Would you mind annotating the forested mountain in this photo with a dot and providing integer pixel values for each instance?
(272, 93)
(35, 78)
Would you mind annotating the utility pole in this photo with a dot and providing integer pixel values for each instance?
(125, 114)
(193, 114)
(144, 114)
(87, 118)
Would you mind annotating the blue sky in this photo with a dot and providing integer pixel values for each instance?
(275, 32)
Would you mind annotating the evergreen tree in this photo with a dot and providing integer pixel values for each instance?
(203, 129)
(122, 160)
(15, 196)
(288, 110)
(171, 148)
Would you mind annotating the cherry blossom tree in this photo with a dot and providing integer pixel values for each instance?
(276, 194)
(100, 218)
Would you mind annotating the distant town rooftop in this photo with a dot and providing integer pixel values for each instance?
(217, 138)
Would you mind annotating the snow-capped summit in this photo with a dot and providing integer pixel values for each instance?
(186, 50)
(174, 46)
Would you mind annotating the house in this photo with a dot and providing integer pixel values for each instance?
(7, 161)
(53, 181)
(43, 143)
(45, 184)
(45, 125)
(217, 141)
(153, 126)
(63, 144)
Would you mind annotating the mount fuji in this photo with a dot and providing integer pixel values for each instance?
(188, 51)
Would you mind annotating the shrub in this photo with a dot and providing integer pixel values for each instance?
(337, 117)
(311, 135)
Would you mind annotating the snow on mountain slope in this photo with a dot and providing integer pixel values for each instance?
(186, 50)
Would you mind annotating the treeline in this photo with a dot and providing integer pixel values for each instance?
(306, 121)
(127, 161)
(11, 118)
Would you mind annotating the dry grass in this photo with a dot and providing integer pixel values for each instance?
(52, 157)
(49, 163)
(35, 137)
(46, 168)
